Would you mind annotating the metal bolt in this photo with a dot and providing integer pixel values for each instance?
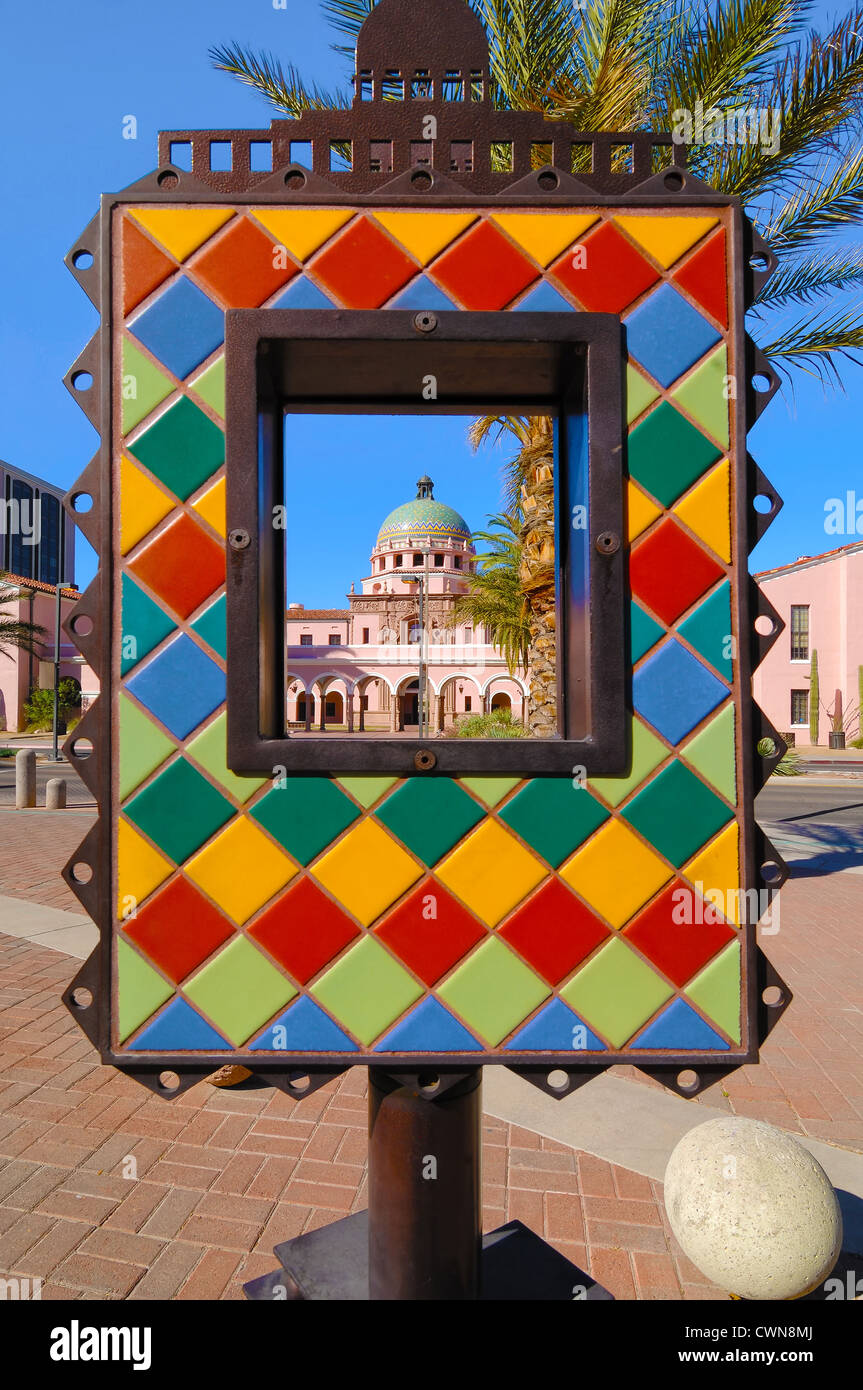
(424, 760)
(425, 322)
(607, 543)
(238, 540)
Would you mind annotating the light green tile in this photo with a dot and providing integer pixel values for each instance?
(648, 752)
(639, 393)
(494, 991)
(704, 395)
(712, 753)
(367, 990)
(144, 386)
(240, 990)
(490, 790)
(210, 750)
(143, 747)
(140, 990)
(716, 990)
(367, 790)
(210, 386)
(616, 992)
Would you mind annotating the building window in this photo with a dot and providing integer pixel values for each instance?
(399, 559)
(365, 635)
(438, 559)
(335, 639)
(456, 559)
(418, 559)
(305, 639)
(800, 707)
(467, 704)
(800, 632)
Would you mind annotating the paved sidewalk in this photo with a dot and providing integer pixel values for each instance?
(34, 846)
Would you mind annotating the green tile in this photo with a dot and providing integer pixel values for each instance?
(648, 751)
(143, 746)
(305, 815)
(616, 992)
(140, 989)
(210, 386)
(716, 990)
(666, 454)
(213, 627)
(144, 386)
(179, 810)
(677, 813)
(366, 990)
(708, 630)
(490, 790)
(240, 990)
(704, 395)
(144, 625)
(554, 815)
(210, 750)
(639, 393)
(182, 448)
(367, 790)
(644, 632)
(429, 816)
(494, 991)
(712, 754)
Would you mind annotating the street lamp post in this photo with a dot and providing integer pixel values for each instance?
(56, 720)
(421, 580)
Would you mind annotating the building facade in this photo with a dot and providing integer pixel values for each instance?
(818, 598)
(37, 538)
(360, 668)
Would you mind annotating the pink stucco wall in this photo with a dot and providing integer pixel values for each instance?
(19, 672)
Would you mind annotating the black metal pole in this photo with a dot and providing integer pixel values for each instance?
(425, 1209)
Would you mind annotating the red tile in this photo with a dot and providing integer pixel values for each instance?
(705, 277)
(554, 931)
(430, 946)
(244, 267)
(362, 268)
(304, 930)
(669, 572)
(484, 270)
(183, 566)
(178, 929)
(612, 275)
(680, 949)
(145, 265)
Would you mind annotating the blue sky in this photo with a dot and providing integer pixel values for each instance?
(75, 74)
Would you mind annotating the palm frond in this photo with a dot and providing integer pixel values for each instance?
(824, 203)
(282, 87)
(813, 343)
(801, 281)
(530, 47)
(609, 83)
(494, 597)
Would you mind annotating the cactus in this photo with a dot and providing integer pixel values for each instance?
(813, 698)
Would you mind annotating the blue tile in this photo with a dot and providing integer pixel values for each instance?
(679, 1026)
(303, 1028)
(422, 294)
(182, 328)
(667, 336)
(429, 1028)
(674, 691)
(644, 632)
(179, 1028)
(302, 293)
(544, 299)
(213, 627)
(180, 686)
(556, 1029)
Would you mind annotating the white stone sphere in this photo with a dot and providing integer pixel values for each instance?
(752, 1209)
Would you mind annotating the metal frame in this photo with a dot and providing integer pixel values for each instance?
(547, 353)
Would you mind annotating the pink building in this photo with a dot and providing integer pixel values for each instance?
(32, 601)
(818, 596)
(359, 667)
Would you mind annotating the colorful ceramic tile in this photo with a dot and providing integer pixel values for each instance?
(179, 1029)
(491, 872)
(676, 935)
(704, 395)
(641, 512)
(303, 1028)
(556, 1029)
(213, 627)
(708, 630)
(666, 336)
(430, 931)
(366, 990)
(711, 753)
(616, 992)
(181, 686)
(674, 691)
(553, 931)
(182, 566)
(706, 510)
(142, 505)
(668, 572)
(640, 393)
(666, 454)
(716, 871)
(595, 873)
(666, 238)
(140, 869)
(182, 448)
(366, 871)
(425, 234)
(178, 929)
(179, 810)
(484, 270)
(210, 751)
(212, 507)
(363, 268)
(554, 815)
(367, 789)
(143, 625)
(143, 746)
(302, 231)
(303, 930)
(716, 990)
(646, 753)
(644, 633)
(144, 266)
(704, 276)
(140, 989)
(305, 814)
(493, 991)
(303, 293)
(422, 294)
(490, 790)
(429, 816)
(543, 300)
(544, 235)
(681, 1028)
(181, 328)
(210, 386)
(182, 230)
(605, 272)
(677, 813)
(243, 267)
(429, 1028)
(222, 870)
(239, 990)
(143, 386)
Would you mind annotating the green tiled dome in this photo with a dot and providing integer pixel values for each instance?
(424, 515)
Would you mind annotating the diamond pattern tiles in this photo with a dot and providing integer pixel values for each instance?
(366, 914)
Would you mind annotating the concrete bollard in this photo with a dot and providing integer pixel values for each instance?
(25, 779)
(55, 794)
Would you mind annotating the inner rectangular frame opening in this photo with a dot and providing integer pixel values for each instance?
(566, 365)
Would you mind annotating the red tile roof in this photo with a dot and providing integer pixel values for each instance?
(18, 581)
(301, 614)
(811, 559)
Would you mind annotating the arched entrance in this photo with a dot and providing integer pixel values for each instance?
(409, 704)
(500, 700)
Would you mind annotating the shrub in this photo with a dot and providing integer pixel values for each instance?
(39, 709)
(498, 724)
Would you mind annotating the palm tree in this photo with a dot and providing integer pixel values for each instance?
(16, 635)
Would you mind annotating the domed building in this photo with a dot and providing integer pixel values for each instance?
(358, 668)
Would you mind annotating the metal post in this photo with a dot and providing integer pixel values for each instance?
(56, 721)
(424, 1190)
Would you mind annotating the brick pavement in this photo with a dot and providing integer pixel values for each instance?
(34, 846)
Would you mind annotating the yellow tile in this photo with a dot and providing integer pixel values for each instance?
(545, 235)
(241, 869)
(718, 867)
(707, 510)
(142, 505)
(425, 234)
(182, 230)
(491, 872)
(367, 871)
(302, 230)
(212, 506)
(140, 869)
(616, 873)
(639, 509)
(666, 238)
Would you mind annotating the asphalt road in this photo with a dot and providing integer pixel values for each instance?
(76, 793)
(795, 802)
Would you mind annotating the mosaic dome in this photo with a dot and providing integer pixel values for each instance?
(424, 516)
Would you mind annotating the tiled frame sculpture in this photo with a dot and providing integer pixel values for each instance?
(284, 927)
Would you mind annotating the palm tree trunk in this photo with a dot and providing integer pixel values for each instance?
(536, 574)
